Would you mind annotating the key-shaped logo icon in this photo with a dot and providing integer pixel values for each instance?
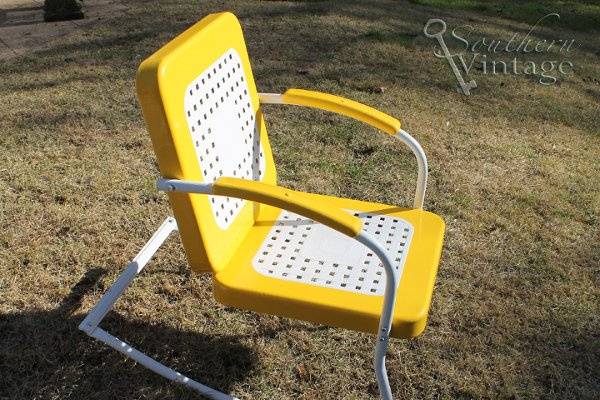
(465, 87)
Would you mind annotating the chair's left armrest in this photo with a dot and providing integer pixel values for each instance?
(306, 206)
(276, 196)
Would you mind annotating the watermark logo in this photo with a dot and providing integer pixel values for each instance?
(490, 55)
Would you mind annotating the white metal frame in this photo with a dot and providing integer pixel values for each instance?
(90, 324)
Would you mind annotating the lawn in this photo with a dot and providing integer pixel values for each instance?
(514, 171)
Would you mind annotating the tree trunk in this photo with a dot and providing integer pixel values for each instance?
(62, 10)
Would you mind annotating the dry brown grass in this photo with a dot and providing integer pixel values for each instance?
(514, 171)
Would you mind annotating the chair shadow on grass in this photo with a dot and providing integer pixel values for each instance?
(48, 347)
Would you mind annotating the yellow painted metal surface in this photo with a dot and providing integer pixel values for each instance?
(340, 105)
(161, 84)
(239, 285)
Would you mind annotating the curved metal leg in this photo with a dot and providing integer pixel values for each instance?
(380, 371)
(387, 312)
(90, 324)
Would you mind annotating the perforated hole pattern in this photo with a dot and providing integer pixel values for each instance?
(222, 125)
(302, 250)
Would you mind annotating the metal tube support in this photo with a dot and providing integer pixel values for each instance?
(90, 324)
(176, 185)
(136, 265)
(417, 150)
(157, 367)
(387, 312)
(270, 98)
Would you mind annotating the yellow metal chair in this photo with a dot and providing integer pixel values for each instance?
(323, 259)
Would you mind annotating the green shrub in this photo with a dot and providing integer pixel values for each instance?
(61, 10)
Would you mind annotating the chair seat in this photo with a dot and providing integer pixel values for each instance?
(295, 267)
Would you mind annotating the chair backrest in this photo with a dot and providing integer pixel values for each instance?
(201, 108)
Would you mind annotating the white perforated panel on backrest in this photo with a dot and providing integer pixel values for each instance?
(222, 123)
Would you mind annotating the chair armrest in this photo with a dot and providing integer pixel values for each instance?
(306, 206)
(361, 112)
(336, 104)
(276, 196)
(290, 200)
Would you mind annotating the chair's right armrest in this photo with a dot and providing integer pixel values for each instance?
(336, 104)
(360, 112)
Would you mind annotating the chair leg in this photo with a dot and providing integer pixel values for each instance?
(380, 370)
(90, 324)
(387, 313)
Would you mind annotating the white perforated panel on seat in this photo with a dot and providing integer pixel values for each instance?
(222, 124)
(302, 250)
